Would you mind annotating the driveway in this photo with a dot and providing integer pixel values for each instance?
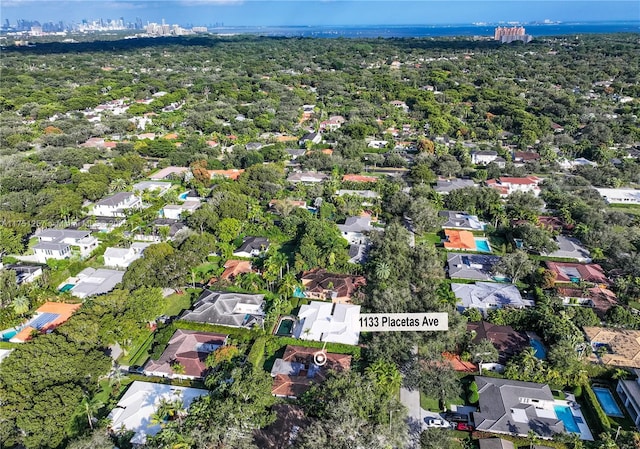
(411, 400)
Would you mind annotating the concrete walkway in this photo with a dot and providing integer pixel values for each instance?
(411, 400)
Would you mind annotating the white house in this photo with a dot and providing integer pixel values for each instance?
(629, 392)
(325, 321)
(57, 243)
(116, 205)
(134, 411)
(483, 157)
(354, 228)
(507, 185)
(91, 281)
(122, 257)
(620, 196)
(174, 211)
(159, 186)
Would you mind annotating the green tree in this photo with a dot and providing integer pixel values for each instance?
(483, 351)
(515, 266)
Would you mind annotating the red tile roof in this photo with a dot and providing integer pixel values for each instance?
(233, 268)
(456, 239)
(359, 178)
(567, 272)
(320, 280)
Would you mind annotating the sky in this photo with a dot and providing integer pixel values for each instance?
(321, 12)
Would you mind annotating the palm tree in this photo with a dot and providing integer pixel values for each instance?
(288, 285)
(117, 377)
(118, 185)
(177, 367)
(91, 407)
(382, 271)
(251, 281)
(21, 305)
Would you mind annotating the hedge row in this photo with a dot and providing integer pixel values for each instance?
(336, 348)
(257, 353)
(600, 416)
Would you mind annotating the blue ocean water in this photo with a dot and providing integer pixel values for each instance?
(373, 31)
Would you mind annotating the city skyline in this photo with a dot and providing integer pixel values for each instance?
(321, 12)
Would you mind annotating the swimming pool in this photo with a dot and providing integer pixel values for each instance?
(541, 352)
(298, 293)
(482, 245)
(564, 413)
(607, 401)
(285, 327)
(8, 335)
(183, 196)
(66, 287)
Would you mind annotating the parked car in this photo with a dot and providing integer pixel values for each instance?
(436, 422)
(464, 426)
(456, 417)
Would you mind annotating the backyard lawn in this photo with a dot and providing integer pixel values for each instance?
(177, 303)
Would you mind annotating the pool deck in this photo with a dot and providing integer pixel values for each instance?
(585, 432)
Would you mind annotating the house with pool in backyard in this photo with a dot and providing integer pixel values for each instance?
(517, 408)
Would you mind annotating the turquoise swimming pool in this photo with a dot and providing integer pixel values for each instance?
(607, 401)
(564, 413)
(66, 287)
(8, 335)
(183, 196)
(482, 245)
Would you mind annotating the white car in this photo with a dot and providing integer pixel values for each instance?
(436, 422)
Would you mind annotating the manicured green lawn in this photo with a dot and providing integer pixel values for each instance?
(428, 237)
(626, 208)
(177, 303)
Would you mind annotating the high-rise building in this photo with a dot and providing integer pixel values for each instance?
(511, 34)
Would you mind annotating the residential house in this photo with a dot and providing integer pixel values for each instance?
(102, 224)
(25, 274)
(354, 229)
(332, 323)
(399, 105)
(252, 247)
(227, 309)
(310, 137)
(620, 196)
(295, 153)
(253, 146)
(507, 185)
(92, 281)
(297, 370)
(307, 177)
(189, 350)
(359, 178)
(622, 346)
(459, 240)
(629, 392)
(444, 186)
(47, 317)
(339, 288)
(116, 205)
(483, 157)
(505, 339)
(487, 296)
(471, 266)
(57, 244)
(461, 220)
(598, 298)
(576, 272)
(379, 144)
(175, 211)
(232, 174)
(570, 248)
(495, 443)
(334, 122)
(152, 186)
(522, 157)
(135, 410)
(234, 268)
(122, 257)
(168, 173)
(516, 408)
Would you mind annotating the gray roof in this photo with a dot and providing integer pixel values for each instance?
(488, 295)
(51, 246)
(115, 199)
(356, 224)
(96, 282)
(514, 407)
(485, 152)
(446, 186)
(116, 252)
(471, 266)
(495, 443)
(570, 248)
(59, 234)
(253, 244)
(227, 309)
(307, 177)
(369, 194)
(461, 220)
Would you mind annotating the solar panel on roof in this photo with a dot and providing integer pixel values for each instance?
(43, 319)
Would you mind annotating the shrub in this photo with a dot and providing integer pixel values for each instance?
(257, 352)
(473, 397)
(473, 387)
(577, 391)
